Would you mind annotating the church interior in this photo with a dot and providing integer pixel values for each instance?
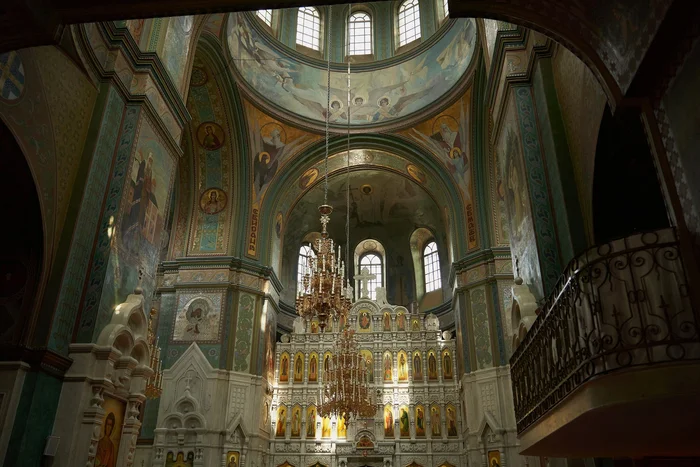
(403, 233)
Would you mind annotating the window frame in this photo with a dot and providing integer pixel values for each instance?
(432, 277)
(302, 32)
(264, 16)
(349, 37)
(402, 23)
(301, 268)
(379, 271)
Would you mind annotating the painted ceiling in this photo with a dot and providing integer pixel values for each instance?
(382, 95)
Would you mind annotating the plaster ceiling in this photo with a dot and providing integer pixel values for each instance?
(293, 88)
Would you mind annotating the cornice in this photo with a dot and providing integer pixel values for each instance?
(229, 262)
(42, 359)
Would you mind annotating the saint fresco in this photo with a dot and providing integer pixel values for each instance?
(388, 422)
(108, 445)
(198, 318)
(377, 96)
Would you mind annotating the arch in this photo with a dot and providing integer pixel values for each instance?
(360, 33)
(284, 193)
(309, 28)
(370, 254)
(418, 239)
(408, 20)
(23, 265)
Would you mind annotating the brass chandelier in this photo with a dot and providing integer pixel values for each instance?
(346, 391)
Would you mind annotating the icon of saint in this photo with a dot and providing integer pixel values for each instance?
(210, 140)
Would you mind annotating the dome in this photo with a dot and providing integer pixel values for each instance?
(388, 91)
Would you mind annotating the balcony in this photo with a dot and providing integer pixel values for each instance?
(611, 365)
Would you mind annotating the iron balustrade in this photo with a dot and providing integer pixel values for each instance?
(621, 304)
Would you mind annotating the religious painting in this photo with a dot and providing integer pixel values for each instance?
(176, 47)
(369, 364)
(313, 367)
(199, 77)
(213, 201)
(327, 357)
(417, 367)
(270, 326)
(435, 420)
(521, 228)
(342, 426)
(447, 136)
(111, 433)
(198, 318)
(278, 225)
(432, 365)
(451, 421)
(415, 325)
(284, 367)
(494, 458)
(299, 368)
(364, 320)
(386, 322)
(402, 358)
(281, 421)
(233, 459)
(326, 427)
(285, 464)
(210, 136)
(365, 442)
(179, 459)
(308, 178)
(296, 421)
(416, 174)
(420, 420)
(404, 423)
(329, 326)
(446, 464)
(388, 421)
(141, 226)
(314, 326)
(380, 95)
(311, 422)
(342, 322)
(446, 364)
(387, 366)
(401, 321)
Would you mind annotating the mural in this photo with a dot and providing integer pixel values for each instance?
(108, 445)
(523, 244)
(198, 318)
(179, 459)
(176, 47)
(377, 96)
(212, 150)
(447, 137)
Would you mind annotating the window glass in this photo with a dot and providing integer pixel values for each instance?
(373, 263)
(360, 34)
(309, 28)
(431, 267)
(409, 22)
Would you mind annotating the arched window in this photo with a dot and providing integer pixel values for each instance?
(309, 28)
(265, 16)
(306, 254)
(409, 22)
(431, 267)
(360, 31)
(373, 262)
(445, 9)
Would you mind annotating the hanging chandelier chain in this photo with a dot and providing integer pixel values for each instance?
(347, 201)
(329, 47)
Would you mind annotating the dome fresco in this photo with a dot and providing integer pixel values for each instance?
(378, 96)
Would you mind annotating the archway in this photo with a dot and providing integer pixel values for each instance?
(21, 261)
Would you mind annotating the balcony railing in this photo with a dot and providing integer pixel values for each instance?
(622, 304)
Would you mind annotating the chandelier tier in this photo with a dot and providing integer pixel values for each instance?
(346, 391)
(326, 293)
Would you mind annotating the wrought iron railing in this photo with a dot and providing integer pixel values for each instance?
(622, 304)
